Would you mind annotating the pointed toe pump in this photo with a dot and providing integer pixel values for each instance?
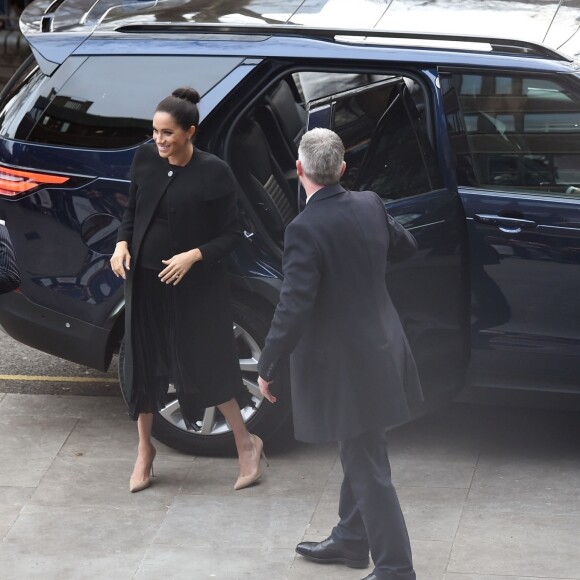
(247, 480)
(136, 485)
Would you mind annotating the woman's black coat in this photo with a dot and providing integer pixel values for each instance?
(202, 213)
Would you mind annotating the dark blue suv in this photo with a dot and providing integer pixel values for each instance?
(473, 143)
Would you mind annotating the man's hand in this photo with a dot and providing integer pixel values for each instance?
(265, 390)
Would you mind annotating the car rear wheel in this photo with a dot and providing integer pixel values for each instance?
(212, 435)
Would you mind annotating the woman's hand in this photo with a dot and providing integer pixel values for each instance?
(121, 260)
(178, 266)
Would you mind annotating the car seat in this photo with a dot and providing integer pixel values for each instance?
(284, 121)
(261, 178)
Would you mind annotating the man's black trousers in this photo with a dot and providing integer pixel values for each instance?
(369, 510)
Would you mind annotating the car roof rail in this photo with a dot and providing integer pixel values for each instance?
(501, 45)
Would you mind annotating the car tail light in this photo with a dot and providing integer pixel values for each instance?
(16, 182)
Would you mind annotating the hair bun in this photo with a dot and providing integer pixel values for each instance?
(187, 94)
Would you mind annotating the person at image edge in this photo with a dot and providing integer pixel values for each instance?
(9, 275)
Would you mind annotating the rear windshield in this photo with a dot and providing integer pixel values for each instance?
(102, 101)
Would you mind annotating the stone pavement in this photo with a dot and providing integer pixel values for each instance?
(489, 493)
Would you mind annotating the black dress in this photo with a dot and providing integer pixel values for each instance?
(180, 335)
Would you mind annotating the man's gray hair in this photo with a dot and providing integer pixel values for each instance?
(321, 152)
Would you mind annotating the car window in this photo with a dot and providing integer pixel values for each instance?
(93, 107)
(383, 127)
(28, 95)
(514, 131)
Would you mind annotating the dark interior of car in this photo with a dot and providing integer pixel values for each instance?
(382, 120)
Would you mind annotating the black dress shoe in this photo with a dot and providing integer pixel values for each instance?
(373, 576)
(328, 552)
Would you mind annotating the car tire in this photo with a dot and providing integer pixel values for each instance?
(214, 437)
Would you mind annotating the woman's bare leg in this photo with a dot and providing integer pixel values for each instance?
(145, 451)
(244, 441)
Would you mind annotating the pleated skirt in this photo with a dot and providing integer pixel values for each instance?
(156, 362)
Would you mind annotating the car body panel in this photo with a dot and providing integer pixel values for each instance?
(526, 320)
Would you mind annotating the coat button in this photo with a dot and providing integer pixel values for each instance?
(170, 174)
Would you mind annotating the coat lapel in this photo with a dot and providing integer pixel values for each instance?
(149, 194)
(161, 176)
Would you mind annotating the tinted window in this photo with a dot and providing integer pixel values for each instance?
(515, 131)
(400, 161)
(109, 101)
(317, 85)
(356, 115)
(29, 95)
(383, 127)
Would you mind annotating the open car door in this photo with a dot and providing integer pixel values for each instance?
(389, 150)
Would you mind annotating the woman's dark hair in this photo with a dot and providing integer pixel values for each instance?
(182, 106)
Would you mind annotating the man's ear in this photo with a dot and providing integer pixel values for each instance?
(343, 168)
(299, 168)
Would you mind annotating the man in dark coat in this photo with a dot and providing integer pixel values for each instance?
(9, 276)
(352, 372)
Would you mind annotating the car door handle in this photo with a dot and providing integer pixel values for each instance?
(509, 225)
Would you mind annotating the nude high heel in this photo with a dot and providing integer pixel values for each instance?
(136, 485)
(247, 480)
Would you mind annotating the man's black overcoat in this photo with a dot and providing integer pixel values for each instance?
(202, 206)
(351, 366)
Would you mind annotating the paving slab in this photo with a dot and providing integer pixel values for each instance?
(87, 482)
(61, 543)
(528, 483)
(302, 569)
(325, 516)
(28, 446)
(194, 562)
(80, 407)
(240, 521)
(12, 500)
(432, 514)
(511, 544)
(425, 462)
(285, 477)
(114, 439)
(487, 577)
(3, 532)
(430, 558)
